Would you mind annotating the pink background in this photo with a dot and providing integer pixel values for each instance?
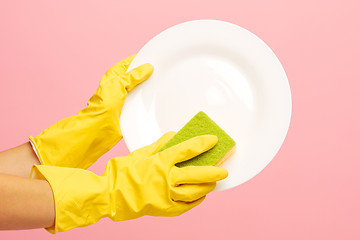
(53, 53)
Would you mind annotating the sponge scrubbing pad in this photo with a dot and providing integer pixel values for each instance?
(201, 124)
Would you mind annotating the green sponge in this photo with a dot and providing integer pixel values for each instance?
(201, 124)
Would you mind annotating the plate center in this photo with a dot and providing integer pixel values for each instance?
(204, 83)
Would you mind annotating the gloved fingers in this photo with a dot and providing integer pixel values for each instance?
(119, 68)
(191, 192)
(197, 174)
(154, 147)
(183, 207)
(188, 149)
(136, 76)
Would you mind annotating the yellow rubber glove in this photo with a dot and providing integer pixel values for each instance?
(78, 141)
(143, 183)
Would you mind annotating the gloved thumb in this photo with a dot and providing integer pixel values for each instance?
(136, 76)
(154, 147)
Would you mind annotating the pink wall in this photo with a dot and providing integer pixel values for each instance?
(53, 53)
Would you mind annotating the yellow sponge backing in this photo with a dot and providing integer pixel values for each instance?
(201, 124)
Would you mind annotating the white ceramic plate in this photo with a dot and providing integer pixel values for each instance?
(223, 70)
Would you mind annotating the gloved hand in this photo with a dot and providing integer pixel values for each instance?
(143, 183)
(78, 141)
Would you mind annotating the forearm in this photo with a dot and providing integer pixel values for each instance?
(18, 160)
(25, 203)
